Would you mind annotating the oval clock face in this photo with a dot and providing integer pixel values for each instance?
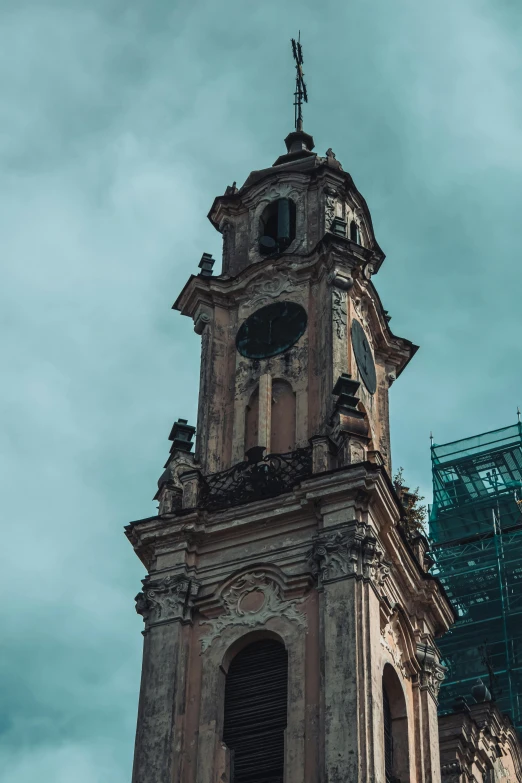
(363, 357)
(271, 330)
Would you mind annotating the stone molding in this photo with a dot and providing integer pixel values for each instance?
(268, 602)
(170, 599)
(348, 553)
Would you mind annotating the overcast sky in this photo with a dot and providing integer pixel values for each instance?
(120, 123)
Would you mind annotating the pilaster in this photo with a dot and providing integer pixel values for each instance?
(166, 606)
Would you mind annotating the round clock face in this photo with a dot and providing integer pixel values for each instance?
(363, 357)
(271, 330)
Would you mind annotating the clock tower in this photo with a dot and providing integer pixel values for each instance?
(290, 623)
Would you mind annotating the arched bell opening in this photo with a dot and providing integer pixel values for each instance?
(255, 711)
(277, 226)
(355, 234)
(395, 728)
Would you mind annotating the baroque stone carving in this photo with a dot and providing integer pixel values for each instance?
(339, 312)
(171, 598)
(251, 600)
(362, 311)
(269, 288)
(330, 207)
(346, 553)
(432, 673)
(392, 642)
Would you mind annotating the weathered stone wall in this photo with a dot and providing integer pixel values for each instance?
(324, 570)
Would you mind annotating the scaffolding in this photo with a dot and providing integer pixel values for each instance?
(476, 535)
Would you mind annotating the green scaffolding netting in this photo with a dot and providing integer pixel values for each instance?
(476, 533)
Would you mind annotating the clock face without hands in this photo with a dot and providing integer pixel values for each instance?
(363, 357)
(271, 330)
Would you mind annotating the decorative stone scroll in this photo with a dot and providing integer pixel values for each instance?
(171, 598)
(432, 673)
(269, 288)
(251, 600)
(330, 206)
(339, 312)
(391, 640)
(346, 553)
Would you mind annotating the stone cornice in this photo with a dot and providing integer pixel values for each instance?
(365, 487)
(332, 256)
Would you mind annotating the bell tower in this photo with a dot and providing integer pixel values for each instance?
(290, 623)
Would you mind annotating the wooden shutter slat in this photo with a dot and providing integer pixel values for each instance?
(256, 712)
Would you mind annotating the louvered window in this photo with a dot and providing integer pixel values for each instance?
(255, 712)
(388, 738)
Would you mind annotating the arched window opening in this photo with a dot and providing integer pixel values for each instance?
(256, 693)
(395, 728)
(282, 424)
(252, 420)
(277, 228)
(355, 234)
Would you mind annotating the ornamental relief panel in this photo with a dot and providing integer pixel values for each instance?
(339, 312)
(330, 207)
(267, 288)
(250, 601)
(361, 308)
(392, 641)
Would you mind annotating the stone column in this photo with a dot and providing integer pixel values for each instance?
(166, 607)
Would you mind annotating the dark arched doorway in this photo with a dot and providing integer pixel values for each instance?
(395, 728)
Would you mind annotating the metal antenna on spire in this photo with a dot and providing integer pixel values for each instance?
(518, 415)
(300, 93)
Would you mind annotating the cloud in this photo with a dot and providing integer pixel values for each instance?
(119, 124)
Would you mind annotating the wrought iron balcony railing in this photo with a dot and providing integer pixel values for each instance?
(256, 478)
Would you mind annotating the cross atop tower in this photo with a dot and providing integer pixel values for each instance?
(300, 93)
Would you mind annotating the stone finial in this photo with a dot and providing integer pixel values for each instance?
(181, 436)
(231, 190)
(331, 160)
(167, 600)
(346, 388)
(206, 264)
